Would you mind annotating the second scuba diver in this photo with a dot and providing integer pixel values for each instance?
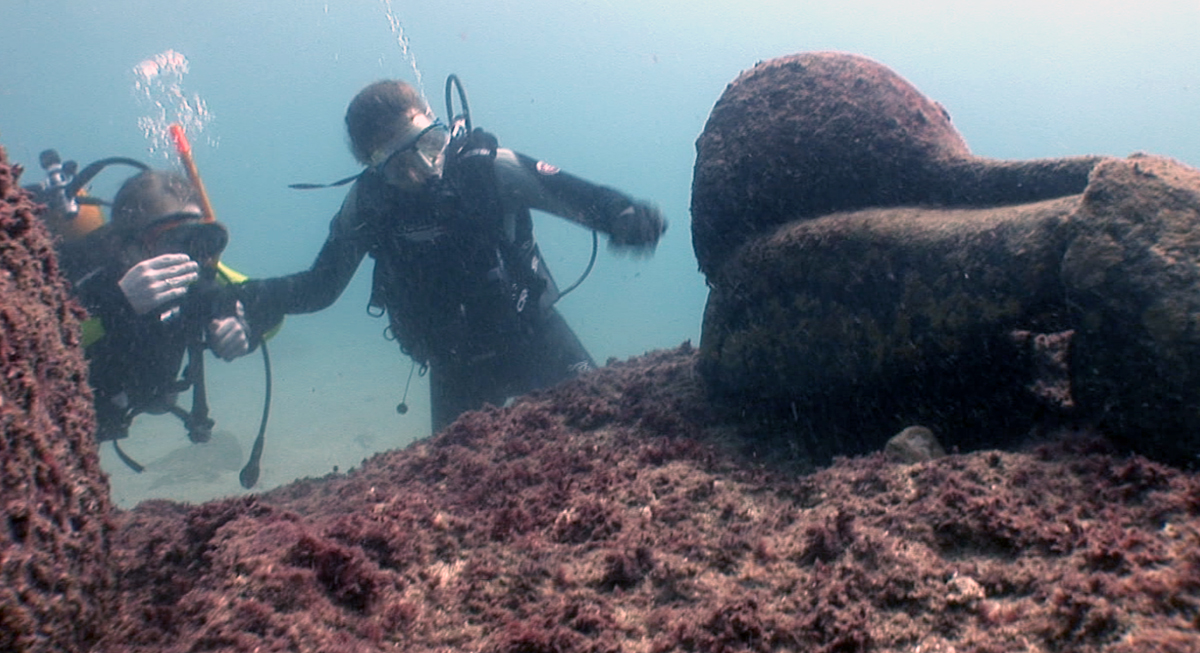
(148, 280)
(457, 269)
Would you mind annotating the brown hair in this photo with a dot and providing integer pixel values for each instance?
(372, 115)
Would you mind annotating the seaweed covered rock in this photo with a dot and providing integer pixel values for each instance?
(55, 589)
(819, 132)
(847, 328)
(973, 309)
(610, 514)
(1131, 273)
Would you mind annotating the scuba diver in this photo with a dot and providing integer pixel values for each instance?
(148, 279)
(445, 213)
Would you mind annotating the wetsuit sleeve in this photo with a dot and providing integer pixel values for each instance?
(534, 184)
(97, 290)
(267, 300)
(91, 265)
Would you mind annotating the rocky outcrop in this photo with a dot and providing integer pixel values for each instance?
(848, 328)
(1131, 277)
(55, 589)
(999, 292)
(612, 514)
(820, 132)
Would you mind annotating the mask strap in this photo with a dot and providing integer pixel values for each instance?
(340, 182)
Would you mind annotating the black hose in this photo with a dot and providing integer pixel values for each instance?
(249, 475)
(85, 176)
(198, 423)
(130, 462)
(452, 80)
(402, 407)
(588, 270)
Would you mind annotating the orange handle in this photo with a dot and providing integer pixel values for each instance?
(185, 154)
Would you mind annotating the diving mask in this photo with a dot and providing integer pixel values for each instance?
(186, 233)
(415, 155)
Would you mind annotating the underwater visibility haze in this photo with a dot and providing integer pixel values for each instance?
(614, 91)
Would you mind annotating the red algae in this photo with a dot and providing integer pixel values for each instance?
(611, 514)
(55, 582)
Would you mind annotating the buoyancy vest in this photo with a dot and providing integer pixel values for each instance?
(460, 279)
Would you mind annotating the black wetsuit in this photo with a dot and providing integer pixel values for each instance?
(134, 367)
(457, 271)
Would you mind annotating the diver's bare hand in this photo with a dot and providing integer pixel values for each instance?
(159, 280)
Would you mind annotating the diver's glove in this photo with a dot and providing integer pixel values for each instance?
(158, 280)
(638, 227)
(229, 337)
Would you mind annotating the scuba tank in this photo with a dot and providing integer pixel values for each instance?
(70, 213)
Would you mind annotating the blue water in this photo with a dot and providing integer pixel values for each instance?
(615, 91)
